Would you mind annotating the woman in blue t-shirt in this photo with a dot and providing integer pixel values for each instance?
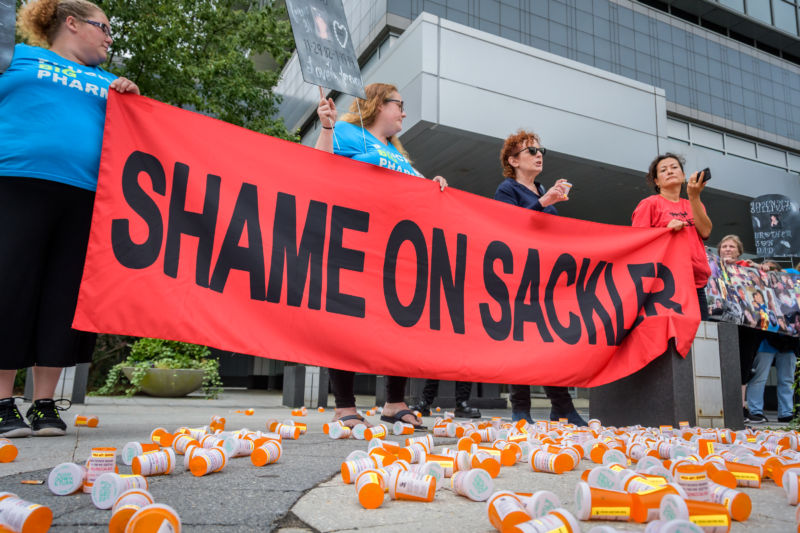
(53, 102)
(382, 115)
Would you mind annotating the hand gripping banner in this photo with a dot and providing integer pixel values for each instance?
(208, 233)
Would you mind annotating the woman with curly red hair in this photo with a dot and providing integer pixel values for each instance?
(522, 159)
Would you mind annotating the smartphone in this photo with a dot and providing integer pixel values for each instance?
(706, 174)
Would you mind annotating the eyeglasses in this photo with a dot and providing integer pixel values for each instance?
(396, 101)
(533, 150)
(102, 25)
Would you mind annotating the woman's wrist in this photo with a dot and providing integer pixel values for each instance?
(327, 127)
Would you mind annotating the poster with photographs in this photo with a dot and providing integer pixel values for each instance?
(751, 297)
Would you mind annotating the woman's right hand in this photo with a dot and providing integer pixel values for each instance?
(326, 111)
(557, 193)
(676, 224)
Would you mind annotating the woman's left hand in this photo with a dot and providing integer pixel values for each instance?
(694, 186)
(441, 181)
(124, 85)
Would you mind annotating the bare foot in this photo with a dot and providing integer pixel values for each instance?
(351, 412)
(390, 409)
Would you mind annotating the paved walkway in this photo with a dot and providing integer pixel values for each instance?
(302, 492)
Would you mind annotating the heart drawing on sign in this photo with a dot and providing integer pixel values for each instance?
(340, 31)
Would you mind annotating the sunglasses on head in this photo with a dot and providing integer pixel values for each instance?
(533, 150)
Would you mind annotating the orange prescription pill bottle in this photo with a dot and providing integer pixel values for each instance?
(266, 454)
(351, 469)
(87, 420)
(790, 482)
(125, 506)
(161, 436)
(712, 517)
(8, 452)
(66, 478)
(370, 489)
(477, 484)
(108, 486)
(154, 518)
(17, 514)
(692, 477)
(550, 462)
(414, 454)
(601, 504)
(378, 431)
(505, 510)
(646, 504)
(484, 461)
(208, 461)
(746, 475)
(101, 460)
(132, 449)
(410, 486)
(154, 463)
(559, 520)
(738, 503)
(339, 431)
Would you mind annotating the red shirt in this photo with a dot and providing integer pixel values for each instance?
(656, 211)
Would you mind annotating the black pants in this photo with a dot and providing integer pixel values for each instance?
(560, 400)
(703, 303)
(44, 230)
(463, 390)
(342, 385)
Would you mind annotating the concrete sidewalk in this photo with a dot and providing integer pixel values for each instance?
(302, 492)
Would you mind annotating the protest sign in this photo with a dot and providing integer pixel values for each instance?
(776, 225)
(209, 233)
(324, 45)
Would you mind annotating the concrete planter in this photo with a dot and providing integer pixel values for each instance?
(169, 382)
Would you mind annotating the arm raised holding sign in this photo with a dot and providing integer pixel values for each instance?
(369, 133)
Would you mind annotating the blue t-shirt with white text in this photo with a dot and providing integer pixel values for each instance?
(53, 112)
(357, 143)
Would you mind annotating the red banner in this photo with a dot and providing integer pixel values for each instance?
(209, 233)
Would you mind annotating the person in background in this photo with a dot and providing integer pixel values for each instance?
(522, 159)
(782, 350)
(53, 105)
(463, 390)
(381, 114)
(666, 209)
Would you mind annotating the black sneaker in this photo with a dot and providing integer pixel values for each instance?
(11, 422)
(45, 420)
(746, 414)
(785, 419)
(757, 419)
(423, 407)
(465, 411)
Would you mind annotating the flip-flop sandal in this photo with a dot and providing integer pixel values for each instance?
(398, 417)
(353, 417)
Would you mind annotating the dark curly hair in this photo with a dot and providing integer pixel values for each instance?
(652, 172)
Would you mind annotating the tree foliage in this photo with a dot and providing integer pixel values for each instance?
(199, 55)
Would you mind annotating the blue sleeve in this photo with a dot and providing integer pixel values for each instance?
(348, 140)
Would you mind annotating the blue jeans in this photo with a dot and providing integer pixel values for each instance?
(784, 364)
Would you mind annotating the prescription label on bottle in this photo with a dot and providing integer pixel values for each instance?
(708, 520)
(611, 511)
(412, 486)
(15, 511)
(505, 505)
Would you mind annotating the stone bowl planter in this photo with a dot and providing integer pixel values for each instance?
(169, 382)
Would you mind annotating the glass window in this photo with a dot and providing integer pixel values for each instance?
(760, 10)
(738, 5)
(785, 16)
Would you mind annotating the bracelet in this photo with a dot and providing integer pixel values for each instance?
(327, 127)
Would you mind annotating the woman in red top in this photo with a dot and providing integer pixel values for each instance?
(666, 209)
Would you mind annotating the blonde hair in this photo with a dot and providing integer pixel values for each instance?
(38, 21)
(736, 240)
(377, 94)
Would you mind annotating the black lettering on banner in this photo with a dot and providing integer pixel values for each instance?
(532, 312)
(646, 301)
(406, 316)
(128, 253)
(248, 258)
(341, 258)
(571, 334)
(497, 329)
(616, 301)
(201, 225)
(442, 277)
(589, 303)
(301, 262)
